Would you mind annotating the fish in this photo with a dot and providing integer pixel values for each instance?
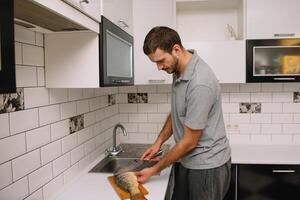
(128, 182)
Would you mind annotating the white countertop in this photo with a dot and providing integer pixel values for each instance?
(95, 186)
(265, 154)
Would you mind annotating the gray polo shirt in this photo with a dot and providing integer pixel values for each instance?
(196, 103)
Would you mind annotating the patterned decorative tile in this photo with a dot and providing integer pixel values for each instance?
(12, 101)
(137, 97)
(296, 97)
(76, 123)
(250, 107)
(111, 99)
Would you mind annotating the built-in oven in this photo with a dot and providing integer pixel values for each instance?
(7, 47)
(116, 55)
(273, 60)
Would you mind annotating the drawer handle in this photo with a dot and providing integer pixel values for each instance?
(157, 80)
(283, 171)
(123, 24)
(284, 34)
(84, 1)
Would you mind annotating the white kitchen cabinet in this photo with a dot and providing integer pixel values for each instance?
(119, 12)
(54, 15)
(92, 8)
(267, 19)
(72, 60)
(226, 58)
(146, 15)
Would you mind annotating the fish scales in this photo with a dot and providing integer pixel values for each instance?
(128, 181)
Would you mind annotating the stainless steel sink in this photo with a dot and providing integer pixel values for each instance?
(128, 159)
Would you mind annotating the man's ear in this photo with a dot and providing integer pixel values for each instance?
(176, 50)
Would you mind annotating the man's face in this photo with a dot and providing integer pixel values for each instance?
(164, 61)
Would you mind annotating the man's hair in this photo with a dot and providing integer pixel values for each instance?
(161, 37)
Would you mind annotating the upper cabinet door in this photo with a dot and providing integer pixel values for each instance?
(268, 19)
(119, 12)
(146, 15)
(92, 8)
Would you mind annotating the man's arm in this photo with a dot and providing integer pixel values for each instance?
(188, 142)
(164, 135)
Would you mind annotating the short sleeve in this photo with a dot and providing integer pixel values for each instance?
(199, 104)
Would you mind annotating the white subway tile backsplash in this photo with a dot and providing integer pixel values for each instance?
(38, 137)
(230, 87)
(225, 97)
(51, 151)
(261, 118)
(69, 142)
(94, 103)
(124, 117)
(296, 118)
(82, 107)
(261, 97)
(37, 195)
(49, 114)
(147, 128)
(68, 110)
(230, 107)
(89, 118)
(71, 173)
(166, 88)
(164, 108)
(121, 98)
(25, 164)
(33, 55)
(75, 94)
(271, 128)
(159, 118)
(61, 164)
(283, 97)
(157, 98)
(128, 108)
(99, 92)
(24, 35)
(239, 97)
(282, 139)
(84, 135)
(127, 89)
(271, 107)
(239, 118)
(39, 177)
(147, 108)
(291, 129)
(271, 87)
(296, 139)
(39, 39)
(250, 87)
(282, 118)
(59, 129)
(291, 107)
(138, 137)
(88, 93)
(99, 115)
(4, 125)
(137, 118)
(111, 111)
(89, 146)
(58, 95)
(23, 120)
(41, 77)
(239, 139)
(131, 127)
(26, 76)
(84, 162)
(5, 174)
(6, 144)
(291, 87)
(34, 97)
(77, 154)
(18, 53)
(51, 188)
(16, 191)
(249, 128)
(146, 88)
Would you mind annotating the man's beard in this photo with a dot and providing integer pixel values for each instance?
(174, 66)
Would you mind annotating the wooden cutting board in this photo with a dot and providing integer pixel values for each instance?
(122, 193)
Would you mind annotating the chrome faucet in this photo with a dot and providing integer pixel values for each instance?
(116, 150)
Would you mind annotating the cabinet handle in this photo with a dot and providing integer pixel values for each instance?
(157, 80)
(283, 171)
(123, 24)
(284, 34)
(84, 1)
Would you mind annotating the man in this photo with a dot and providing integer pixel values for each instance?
(196, 122)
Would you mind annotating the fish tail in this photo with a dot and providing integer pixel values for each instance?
(138, 196)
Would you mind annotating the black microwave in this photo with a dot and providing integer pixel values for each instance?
(273, 60)
(116, 55)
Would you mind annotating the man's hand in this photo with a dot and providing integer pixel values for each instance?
(149, 153)
(145, 174)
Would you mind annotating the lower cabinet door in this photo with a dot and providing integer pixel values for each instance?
(231, 194)
(268, 182)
